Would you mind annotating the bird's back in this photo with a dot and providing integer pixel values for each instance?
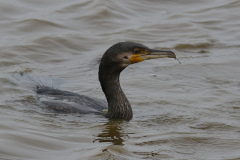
(69, 102)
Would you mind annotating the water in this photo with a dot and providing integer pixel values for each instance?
(181, 111)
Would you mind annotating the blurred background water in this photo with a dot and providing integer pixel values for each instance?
(181, 111)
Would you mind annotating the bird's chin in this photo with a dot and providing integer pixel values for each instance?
(125, 65)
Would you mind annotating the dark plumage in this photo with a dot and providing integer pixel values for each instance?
(114, 60)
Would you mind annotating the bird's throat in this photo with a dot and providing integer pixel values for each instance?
(118, 104)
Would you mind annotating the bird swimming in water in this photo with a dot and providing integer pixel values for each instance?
(113, 62)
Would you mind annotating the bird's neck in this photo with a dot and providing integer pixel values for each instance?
(118, 104)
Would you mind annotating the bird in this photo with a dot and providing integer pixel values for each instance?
(113, 62)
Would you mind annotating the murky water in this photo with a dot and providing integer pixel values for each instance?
(181, 111)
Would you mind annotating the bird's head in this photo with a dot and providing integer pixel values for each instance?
(122, 54)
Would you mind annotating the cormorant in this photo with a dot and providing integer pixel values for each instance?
(113, 62)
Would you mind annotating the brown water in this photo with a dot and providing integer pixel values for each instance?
(188, 111)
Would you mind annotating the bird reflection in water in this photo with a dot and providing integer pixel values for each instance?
(112, 133)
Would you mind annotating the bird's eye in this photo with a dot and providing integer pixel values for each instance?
(125, 57)
(136, 51)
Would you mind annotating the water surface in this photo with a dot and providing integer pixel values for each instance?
(188, 111)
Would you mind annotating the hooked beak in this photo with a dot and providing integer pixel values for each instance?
(151, 54)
